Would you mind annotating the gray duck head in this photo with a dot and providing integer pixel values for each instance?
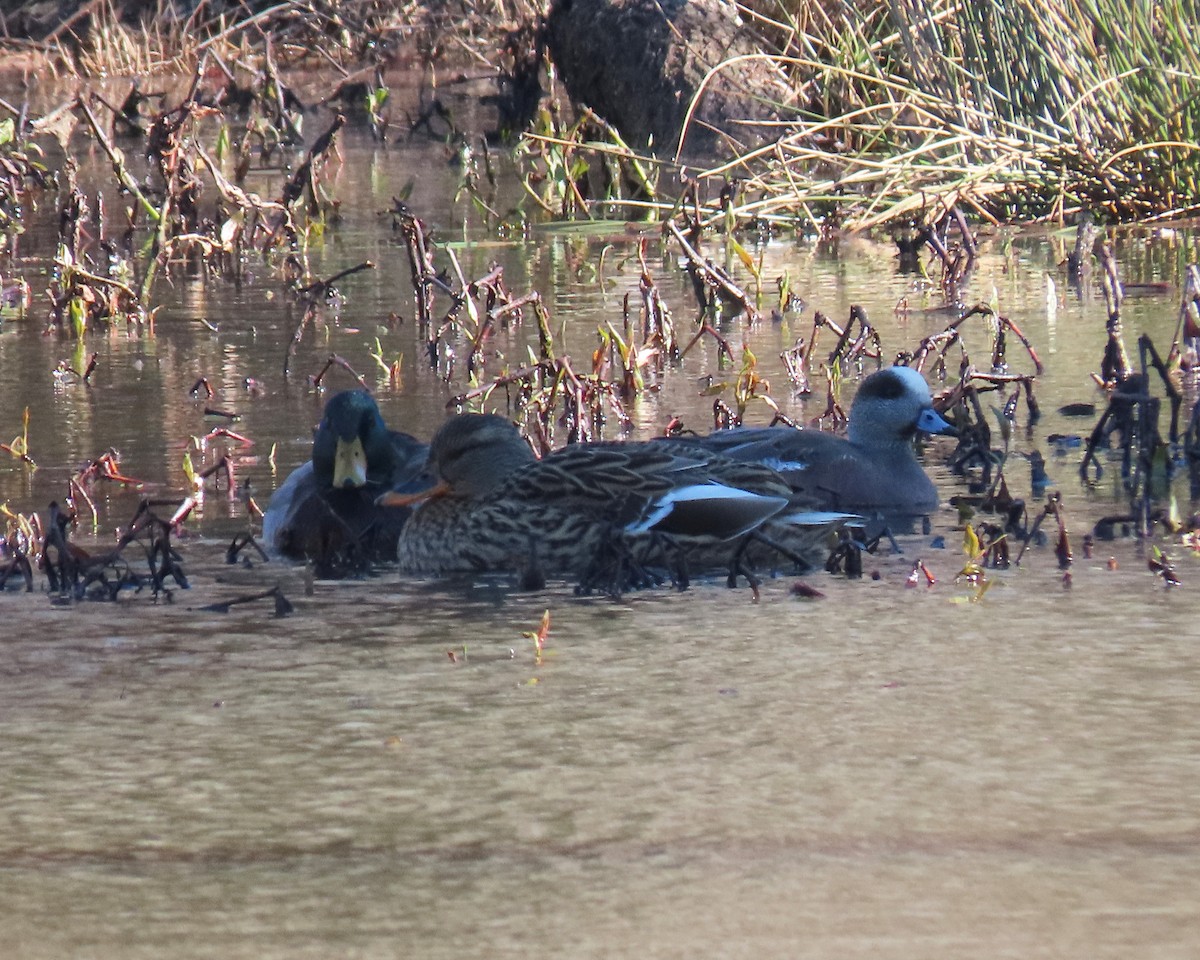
(890, 408)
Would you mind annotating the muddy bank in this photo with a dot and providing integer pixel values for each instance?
(651, 68)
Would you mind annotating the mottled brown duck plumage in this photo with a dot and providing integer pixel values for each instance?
(600, 513)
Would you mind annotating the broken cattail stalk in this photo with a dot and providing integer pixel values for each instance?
(713, 276)
(336, 361)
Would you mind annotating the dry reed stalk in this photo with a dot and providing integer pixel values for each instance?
(1015, 106)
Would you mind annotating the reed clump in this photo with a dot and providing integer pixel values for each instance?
(1020, 109)
(899, 110)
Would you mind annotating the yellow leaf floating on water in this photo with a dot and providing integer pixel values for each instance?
(539, 636)
(19, 448)
(981, 588)
(1174, 520)
(971, 571)
(189, 471)
(971, 542)
(747, 260)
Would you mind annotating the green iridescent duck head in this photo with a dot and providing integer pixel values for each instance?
(352, 447)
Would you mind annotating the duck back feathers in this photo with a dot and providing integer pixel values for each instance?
(873, 469)
(505, 510)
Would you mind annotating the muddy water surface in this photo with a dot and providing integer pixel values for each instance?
(883, 772)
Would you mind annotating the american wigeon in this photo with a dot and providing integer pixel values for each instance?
(873, 469)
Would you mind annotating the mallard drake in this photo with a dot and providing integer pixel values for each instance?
(605, 513)
(874, 469)
(326, 510)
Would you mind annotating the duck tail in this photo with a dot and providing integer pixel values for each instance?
(816, 518)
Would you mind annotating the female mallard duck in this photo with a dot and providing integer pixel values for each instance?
(604, 513)
(872, 470)
(326, 510)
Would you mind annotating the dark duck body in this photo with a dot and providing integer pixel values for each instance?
(599, 513)
(872, 470)
(327, 511)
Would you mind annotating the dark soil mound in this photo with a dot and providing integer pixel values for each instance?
(640, 63)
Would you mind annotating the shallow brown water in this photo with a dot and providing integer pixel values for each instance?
(885, 772)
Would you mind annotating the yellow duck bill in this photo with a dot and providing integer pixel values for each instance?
(349, 464)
